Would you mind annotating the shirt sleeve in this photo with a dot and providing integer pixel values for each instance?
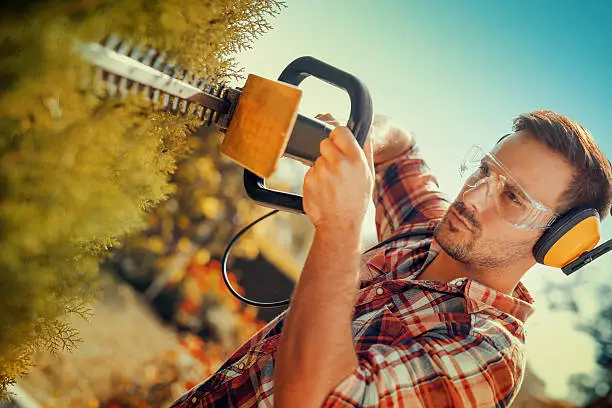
(405, 192)
(432, 372)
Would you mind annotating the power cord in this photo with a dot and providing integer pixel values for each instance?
(224, 268)
(286, 301)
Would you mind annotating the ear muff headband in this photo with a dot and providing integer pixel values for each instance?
(576, 232)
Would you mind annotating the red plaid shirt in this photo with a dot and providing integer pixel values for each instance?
(419, 343)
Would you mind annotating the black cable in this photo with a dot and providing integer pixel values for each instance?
(224, 268)
(286, 301)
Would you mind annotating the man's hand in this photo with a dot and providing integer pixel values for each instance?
(338, 187)
(388, 140)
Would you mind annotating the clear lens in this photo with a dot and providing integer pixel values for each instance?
(480, 169)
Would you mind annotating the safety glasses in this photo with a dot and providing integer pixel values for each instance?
(482, 170)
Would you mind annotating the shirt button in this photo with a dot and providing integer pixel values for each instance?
(380, 291)
(194, 400)
(241, 366)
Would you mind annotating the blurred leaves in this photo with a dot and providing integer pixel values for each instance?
(589, 288)
(175, 260)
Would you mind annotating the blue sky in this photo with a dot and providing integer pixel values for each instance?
(456, 74)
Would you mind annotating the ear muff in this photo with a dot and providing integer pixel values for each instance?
(570, 236)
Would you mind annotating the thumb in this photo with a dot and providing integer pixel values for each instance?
(368, 149)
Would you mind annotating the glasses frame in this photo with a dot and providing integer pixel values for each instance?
(539, 207)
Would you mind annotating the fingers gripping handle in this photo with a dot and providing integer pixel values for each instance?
(359, 122)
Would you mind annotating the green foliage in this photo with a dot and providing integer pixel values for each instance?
(595, 390)
(587, 295)
(79, 171)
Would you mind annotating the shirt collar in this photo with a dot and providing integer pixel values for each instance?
(480, 297)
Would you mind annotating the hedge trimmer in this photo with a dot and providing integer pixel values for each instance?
(260, 121)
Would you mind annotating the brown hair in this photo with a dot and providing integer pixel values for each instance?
(591, 184)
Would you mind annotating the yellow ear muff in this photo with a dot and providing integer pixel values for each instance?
(569, 237)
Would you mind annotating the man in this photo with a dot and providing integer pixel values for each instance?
(433, 316)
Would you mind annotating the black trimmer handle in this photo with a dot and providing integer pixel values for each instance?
(359, 122)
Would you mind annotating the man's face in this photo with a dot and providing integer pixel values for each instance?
(483, 239)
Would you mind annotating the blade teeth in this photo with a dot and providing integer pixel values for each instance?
(210, 117)
(156, 96)
(123, 87)
(192, 108)
(179, 73)
(135, 88)
(206, 115)
(221, 88)
(199, 111)
(175, 103)
(111, 83)
(99, 77)
(138, 52)
(165, 101)
(207, 85)
(146, 90)
(112, 86)
(216, 88)
(195, 81)
(213, 84)
(156, 64)
(167, 69)
(221, 92)
(159, 60)
(124, 47)
(112, 41)
(184, 106)
(149, 55)
(203, 83)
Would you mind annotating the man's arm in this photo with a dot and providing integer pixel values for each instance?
(316, 349)
(405, 191)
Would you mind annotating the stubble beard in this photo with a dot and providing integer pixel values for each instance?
(445, 235)
(464, 247)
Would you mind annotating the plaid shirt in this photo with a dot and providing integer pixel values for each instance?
(419, 343)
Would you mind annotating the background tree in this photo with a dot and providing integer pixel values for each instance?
(595, 390)
(587, 295)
